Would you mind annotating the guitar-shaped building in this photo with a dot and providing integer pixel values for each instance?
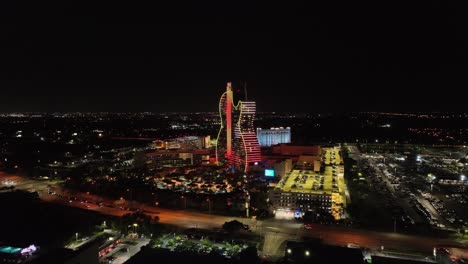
(237, 144)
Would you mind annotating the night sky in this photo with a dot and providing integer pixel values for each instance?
(128, 56)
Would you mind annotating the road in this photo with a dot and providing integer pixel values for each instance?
(331, 234)
(186, 219)
(122, 256)
(434, 214)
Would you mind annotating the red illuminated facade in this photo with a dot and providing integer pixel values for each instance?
(237, 143)
(245, 142)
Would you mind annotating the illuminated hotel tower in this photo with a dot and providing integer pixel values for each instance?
(237, 146)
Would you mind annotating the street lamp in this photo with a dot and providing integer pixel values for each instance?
(247, 203)
(76, 236)
(185, 201)
(209, 205)
(134, 227)
(131, 194)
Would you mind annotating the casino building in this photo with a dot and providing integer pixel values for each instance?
(237, 144)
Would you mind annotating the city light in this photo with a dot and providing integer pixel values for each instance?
(29, 250)
(146, 170)
(269, 173)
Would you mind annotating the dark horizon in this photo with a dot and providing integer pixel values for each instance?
(432, 114)
(69, 56)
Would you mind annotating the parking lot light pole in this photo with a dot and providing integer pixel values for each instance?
(185, 201)
(209, 205)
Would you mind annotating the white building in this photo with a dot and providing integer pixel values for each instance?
(273, 136)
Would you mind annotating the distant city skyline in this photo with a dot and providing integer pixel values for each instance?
(175, 100)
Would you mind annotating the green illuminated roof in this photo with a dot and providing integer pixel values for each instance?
(10, 250)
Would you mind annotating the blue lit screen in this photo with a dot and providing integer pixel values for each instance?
(270, 173)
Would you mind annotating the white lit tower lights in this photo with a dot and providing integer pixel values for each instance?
(241, 149)
(245, 142)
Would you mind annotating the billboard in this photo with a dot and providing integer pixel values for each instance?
(269, 173)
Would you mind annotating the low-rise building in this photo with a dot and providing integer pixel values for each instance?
(307, 189)
(301, 191)
(178, 158)
(282, 167)
(273, 136)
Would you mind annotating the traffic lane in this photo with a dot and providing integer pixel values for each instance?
(186, 219)
(424, 202)
(374, 240)
(179, 218)
(122, 257)
(110, 254)
(338, 235)
(334, 235)
(330, 234)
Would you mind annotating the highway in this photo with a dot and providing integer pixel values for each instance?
(277, 230)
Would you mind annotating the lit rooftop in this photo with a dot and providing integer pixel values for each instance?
(10, 250)
(306, 181)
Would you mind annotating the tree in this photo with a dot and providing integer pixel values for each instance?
(236, 249)
(207, 243)
(262, 214)
(233, 226)
(249, 255)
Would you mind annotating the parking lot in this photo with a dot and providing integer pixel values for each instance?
(124, 250)
(411, 184)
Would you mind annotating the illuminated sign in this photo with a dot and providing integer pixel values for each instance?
(269, 173)
(297, 213)
(29, 250)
